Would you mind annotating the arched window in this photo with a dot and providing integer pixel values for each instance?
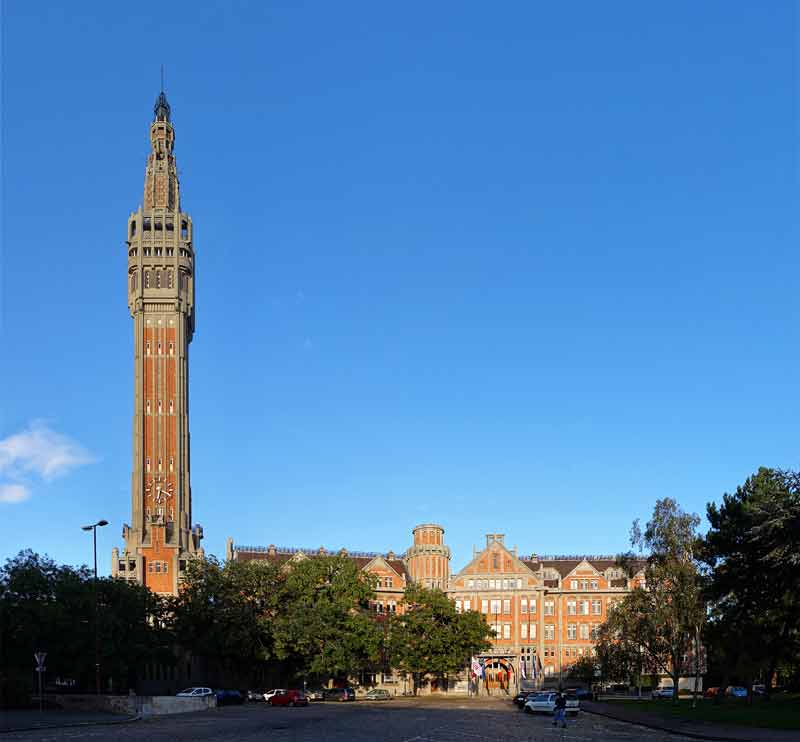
(133, 281)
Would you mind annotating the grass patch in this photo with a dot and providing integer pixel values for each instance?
(781, 712)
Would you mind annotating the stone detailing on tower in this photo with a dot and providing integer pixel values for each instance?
(160, 279)
(428, 559)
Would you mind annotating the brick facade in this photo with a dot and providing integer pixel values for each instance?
(540, 607)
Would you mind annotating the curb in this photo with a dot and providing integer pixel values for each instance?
(99, 722)
(671, 730)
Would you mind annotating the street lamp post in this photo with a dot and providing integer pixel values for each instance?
(93, 528)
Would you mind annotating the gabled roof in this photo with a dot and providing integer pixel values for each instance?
(519, 564)
(281, 554)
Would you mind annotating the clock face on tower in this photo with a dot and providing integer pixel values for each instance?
(160, 493)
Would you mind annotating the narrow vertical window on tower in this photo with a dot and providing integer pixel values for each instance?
(147, 278)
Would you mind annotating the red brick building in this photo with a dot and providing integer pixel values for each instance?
(545, 607)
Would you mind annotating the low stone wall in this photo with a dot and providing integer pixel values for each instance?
(131, 705)
(162, 705)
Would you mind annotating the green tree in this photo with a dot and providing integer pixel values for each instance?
(665, 618)
(226, 611)
(753, 552)
(585, 669)
(50, 607)
(432, 638)
(324, 626)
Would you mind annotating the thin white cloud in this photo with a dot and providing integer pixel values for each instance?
(13, 493)
(36, 452)
(40, 451)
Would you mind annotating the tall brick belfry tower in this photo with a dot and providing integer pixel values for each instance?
(161, 300)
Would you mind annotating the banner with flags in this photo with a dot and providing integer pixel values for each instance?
(477, 667)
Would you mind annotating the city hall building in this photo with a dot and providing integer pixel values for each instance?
(544, 609)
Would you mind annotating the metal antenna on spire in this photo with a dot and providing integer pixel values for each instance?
(162, 78)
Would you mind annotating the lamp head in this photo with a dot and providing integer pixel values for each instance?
(102, 522)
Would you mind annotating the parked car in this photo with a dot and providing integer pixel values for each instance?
(228, 697)
(288, 698)
(711, 692)
(378, 694)
(759, 690)
(665, 691)
(340, 694)
(315, 694)
(198, 692)
(545, 703)
(268, 694)
(255, 696)
(523, 696)
(736, 691)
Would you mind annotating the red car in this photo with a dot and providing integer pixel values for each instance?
(289, 698)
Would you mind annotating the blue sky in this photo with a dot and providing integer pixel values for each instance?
(522, 268)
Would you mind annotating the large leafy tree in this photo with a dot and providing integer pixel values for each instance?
(432, 638)
(49, 607)
(226, 611)
(665, 618)
(753, 552)
(324, 626)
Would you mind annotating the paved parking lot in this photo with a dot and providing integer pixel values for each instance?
(393, 721)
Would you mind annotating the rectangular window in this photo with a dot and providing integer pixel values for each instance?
(584, 631)
(147, 464)
(572, 631)
(548, 607)
(573, 584)
(532, 603)
(597, 607)
(171, 463)
(506, 606)
(470, 584)
(458, 606)
(549, 632)
(519, 583)
(524, 630)
(467, 605)
(523, 605)
(593, 585)
(496, 606)
(165, 567)
(584, 584)
(584, 608)
(158, 566)
(572, 607)
(484, 606)
(506, 631)
(533, 630)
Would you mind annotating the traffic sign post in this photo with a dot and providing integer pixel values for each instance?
(40, 668)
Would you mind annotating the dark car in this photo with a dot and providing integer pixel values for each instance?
(340, 694)
(289, 698)
(228, 697)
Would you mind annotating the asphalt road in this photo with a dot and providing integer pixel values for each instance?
(393, 721)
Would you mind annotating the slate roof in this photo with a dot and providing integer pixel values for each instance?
(282, 554)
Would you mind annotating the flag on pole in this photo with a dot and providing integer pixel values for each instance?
(477, 668)
(522, 668)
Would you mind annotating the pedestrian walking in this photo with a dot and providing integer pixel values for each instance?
(560, 711)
